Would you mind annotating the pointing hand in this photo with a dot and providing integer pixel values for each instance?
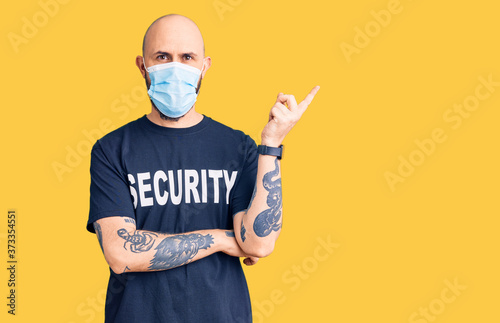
(283, 116)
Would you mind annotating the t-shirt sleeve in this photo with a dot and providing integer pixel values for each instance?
(246, 183)
(109, 189)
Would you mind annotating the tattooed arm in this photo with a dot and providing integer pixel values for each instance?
(127, 249)
(258, 227)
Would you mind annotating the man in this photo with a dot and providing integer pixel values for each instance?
(171, 193)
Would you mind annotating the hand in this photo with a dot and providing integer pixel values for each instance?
(283, 117)
(250, 261)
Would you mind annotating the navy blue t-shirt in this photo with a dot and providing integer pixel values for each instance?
(175, 180)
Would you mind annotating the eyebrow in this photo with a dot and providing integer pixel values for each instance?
(168, 54)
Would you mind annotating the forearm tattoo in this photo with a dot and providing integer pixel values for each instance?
(98, 232)
(230, 234)
(270, 219)
(140, 241)
(243, 231)
(178, 250)
(129, 220)
(253, 196)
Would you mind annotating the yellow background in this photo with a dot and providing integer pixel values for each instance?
(397, 249)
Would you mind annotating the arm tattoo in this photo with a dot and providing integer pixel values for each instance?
(253, 196)
(243, 231)
(139, 241)
(125, 270)
(98, 232)
(269, 220)
(178, 250)
(230, 233)
(129, 220)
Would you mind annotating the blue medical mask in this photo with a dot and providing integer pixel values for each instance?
(173, 87)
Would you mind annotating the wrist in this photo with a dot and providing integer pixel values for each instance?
(270, 142)
(221, 240)
(270, 151)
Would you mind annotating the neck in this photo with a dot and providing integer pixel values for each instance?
(188, 120)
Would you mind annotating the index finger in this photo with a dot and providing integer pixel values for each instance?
(308, 99)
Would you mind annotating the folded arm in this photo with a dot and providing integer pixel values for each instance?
(127, 249)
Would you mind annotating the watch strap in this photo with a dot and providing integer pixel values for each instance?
(272, 151)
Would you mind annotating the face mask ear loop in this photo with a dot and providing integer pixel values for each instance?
(144, 62)
(200, 78)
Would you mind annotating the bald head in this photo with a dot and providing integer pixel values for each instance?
(175, 29)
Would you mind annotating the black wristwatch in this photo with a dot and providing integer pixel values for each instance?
(273, 151)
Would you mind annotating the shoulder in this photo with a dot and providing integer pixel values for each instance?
(120, 134)
(236, 141)
(228, 132)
